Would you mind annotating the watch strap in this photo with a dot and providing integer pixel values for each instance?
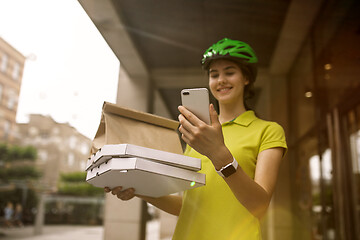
(229, 169)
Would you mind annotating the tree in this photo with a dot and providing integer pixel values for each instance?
(18, 175)
(74, 184)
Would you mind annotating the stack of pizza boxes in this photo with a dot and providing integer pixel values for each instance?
(126, 152)
(150, 172)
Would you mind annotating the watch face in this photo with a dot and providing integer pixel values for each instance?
(228, 171)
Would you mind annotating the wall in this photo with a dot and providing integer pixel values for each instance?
(11, 71)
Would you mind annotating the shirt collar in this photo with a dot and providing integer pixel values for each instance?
(243, 119)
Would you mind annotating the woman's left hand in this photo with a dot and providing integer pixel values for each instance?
(205, 139)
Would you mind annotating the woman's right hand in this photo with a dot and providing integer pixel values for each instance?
(124, 195)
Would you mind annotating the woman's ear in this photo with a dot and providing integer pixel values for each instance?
(247, 81)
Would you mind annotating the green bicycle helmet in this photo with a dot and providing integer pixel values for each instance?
(235, 50)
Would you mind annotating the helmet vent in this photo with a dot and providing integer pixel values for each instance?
(246, 54)
(229, 47)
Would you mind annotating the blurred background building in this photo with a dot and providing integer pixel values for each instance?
(61, 157)
(41, 156)
(11, 71)
(308, 81)
(60, 147)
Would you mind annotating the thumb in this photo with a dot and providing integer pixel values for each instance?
(213, 115)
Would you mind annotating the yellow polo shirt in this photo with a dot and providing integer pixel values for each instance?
(212, 211)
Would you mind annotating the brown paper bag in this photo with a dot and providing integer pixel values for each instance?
(121, 125)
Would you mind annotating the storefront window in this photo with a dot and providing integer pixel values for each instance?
(322, 196)
(354, 131)
(324, 81)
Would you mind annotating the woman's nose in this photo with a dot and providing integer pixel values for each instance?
(221, 78)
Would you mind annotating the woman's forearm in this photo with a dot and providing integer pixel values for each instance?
(255, 194)
(170, 204)
(249, 193)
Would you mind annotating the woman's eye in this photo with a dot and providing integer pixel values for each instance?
(214, 75)
(229, 73)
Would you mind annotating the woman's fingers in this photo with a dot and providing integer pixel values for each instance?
(124, 195)
(189, 116)
(214, 116)
(116, 190)
(185, 127)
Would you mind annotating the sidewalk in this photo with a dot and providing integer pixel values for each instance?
(53, 232)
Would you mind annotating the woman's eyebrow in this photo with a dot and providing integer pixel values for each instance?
(226, 68)
(229, 67)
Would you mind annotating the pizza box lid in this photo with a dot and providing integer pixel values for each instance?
(130, 150)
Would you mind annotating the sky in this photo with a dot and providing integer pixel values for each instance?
(70, 70)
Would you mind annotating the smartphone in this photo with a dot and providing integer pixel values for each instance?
(196, 100)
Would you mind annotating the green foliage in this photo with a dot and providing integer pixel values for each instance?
(3, 151)
(17, 175)
(10, 153)
(79, 189)
(29, 152)
(22, 172)
(74, 184)
(73, 177)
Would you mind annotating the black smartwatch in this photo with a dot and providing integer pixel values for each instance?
(228, 170)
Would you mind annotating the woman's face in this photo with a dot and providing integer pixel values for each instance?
(226, 81)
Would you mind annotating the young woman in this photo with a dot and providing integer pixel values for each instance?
(240, 154)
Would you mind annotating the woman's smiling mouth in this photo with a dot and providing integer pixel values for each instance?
(224, 89)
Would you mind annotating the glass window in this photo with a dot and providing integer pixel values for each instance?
(56, 131)
(4, 62)
(33, 131)
(84, 148)
(355, 151)
(16, 71)
(72, 142)
(1, 91)
(83, 165)
(12, 99)
(44, 134)
(43, 155)
(7, 126)
(322, 195)
(71, 159)
(353, 119)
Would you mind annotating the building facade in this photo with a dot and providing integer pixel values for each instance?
(324, 126)
(11, 72)
(60, 147)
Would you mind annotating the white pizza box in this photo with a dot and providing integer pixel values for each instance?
(130, 150)
(147, 177)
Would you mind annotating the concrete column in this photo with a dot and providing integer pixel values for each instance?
(133, 92)
(281, 215)
(122, 218)
(40, 215)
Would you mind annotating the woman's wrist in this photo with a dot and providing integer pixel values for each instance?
(221, 158)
